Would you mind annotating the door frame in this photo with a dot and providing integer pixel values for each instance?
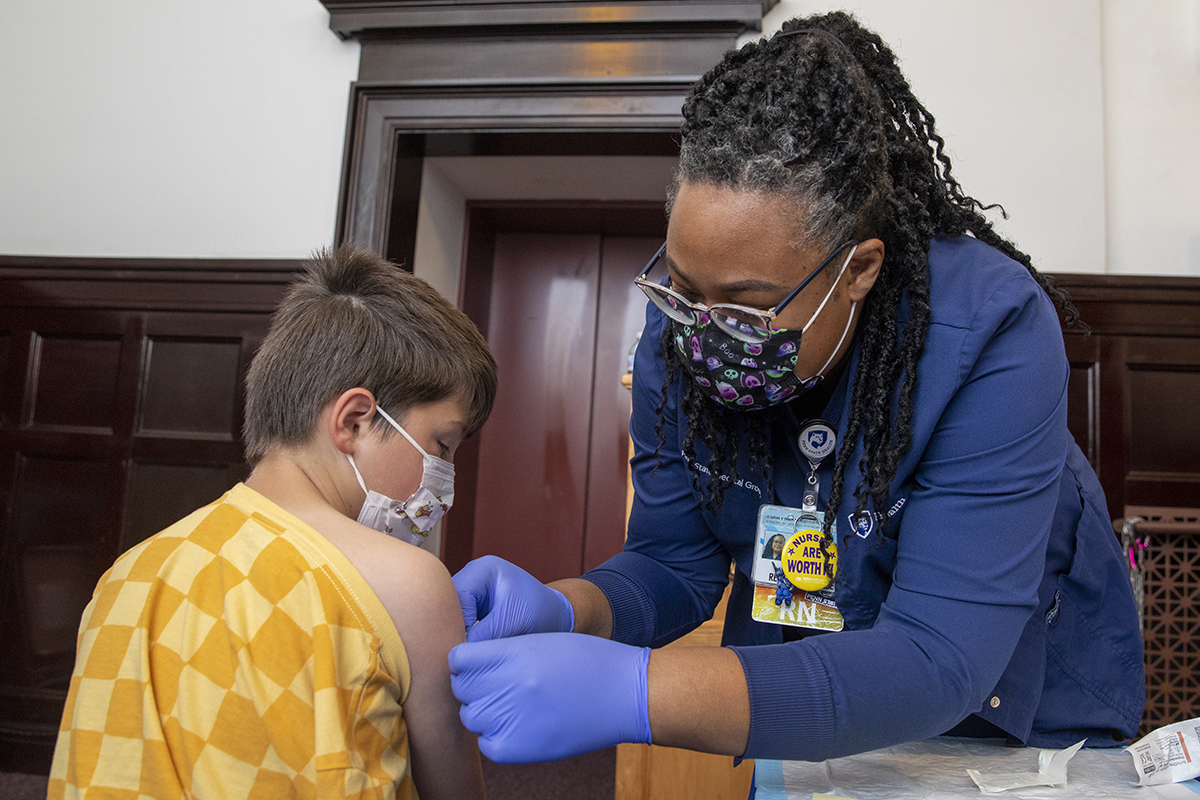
(391, 130)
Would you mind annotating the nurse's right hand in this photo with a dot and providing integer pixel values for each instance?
(500, 599)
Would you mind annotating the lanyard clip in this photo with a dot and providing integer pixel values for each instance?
(817, 442)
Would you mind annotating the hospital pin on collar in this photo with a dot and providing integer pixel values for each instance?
(817, 441)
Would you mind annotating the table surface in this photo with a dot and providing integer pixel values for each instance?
(936, 769)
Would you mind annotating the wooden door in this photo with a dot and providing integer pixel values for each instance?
(549, 485)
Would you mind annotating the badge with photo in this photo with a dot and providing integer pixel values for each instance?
(793, 571)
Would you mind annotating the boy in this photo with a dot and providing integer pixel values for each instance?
(264, 645)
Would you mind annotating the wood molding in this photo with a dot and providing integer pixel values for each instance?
(591, 72)
(356, 19)
(580, 111)
(149, 284)
(1135, 305)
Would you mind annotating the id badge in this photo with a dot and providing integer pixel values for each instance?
(792, 573)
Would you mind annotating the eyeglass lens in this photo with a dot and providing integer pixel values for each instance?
(670, 305)
(746, 325)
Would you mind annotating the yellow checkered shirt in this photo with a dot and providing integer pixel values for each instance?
(236, 654)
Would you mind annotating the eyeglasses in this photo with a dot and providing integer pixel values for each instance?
(752, 325)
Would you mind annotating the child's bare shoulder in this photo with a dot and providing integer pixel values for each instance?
(410, 580)
(413, 584)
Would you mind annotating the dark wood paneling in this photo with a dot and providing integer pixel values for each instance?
(407, 164)
(1164, 413)
(146, 284)
(120, 411)
(1135, 384)
(163, 493)
(6, 338)
(72, 383)
(1135, 305)
(56, 500)
(1082, 389)
(57, 583)
(189, 387)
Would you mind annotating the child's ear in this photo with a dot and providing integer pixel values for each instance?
(349, 417)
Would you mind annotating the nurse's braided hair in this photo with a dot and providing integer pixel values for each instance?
(820, 113)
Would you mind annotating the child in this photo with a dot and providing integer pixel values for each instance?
(264, 645)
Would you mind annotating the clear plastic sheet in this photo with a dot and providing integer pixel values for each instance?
(936, 769)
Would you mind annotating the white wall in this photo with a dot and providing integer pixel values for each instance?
(1015, 87)
(168, 128)
(215, 129)
(1081, 117)
(1152, 126)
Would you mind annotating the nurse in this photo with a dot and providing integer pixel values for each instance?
(839, 348)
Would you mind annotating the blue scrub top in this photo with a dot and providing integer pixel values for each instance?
(997, 587)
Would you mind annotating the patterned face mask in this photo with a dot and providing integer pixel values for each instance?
(411, 520)
(745, 376)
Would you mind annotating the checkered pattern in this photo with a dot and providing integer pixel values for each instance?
(235, 654)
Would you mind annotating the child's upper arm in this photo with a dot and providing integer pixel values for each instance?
(421, 599)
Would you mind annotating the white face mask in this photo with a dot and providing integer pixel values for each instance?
(411, 520)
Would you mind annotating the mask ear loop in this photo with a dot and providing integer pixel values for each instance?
(849, 319)
(395, 425)
(357, 474)
(403, 432)
(845, 331)
(354, 466)
(829, 294)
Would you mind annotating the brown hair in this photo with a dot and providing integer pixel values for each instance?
(354, 319)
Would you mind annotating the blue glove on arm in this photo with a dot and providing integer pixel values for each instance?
(548, 696)
(500, 599)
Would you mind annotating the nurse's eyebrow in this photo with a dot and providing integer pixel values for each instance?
(733, 287)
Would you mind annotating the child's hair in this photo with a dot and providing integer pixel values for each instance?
(354, 319)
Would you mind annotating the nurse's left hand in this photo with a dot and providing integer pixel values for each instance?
(546, 696)
(500, 599)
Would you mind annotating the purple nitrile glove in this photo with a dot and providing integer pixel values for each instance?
(546, 696)
(500, 599)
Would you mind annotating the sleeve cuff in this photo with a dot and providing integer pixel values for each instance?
(791, 702)
(632, 609)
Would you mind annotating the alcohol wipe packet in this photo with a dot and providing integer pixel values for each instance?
(1052, 771)
(1168, 754)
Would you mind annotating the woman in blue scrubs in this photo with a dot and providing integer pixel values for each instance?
(842, 349)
